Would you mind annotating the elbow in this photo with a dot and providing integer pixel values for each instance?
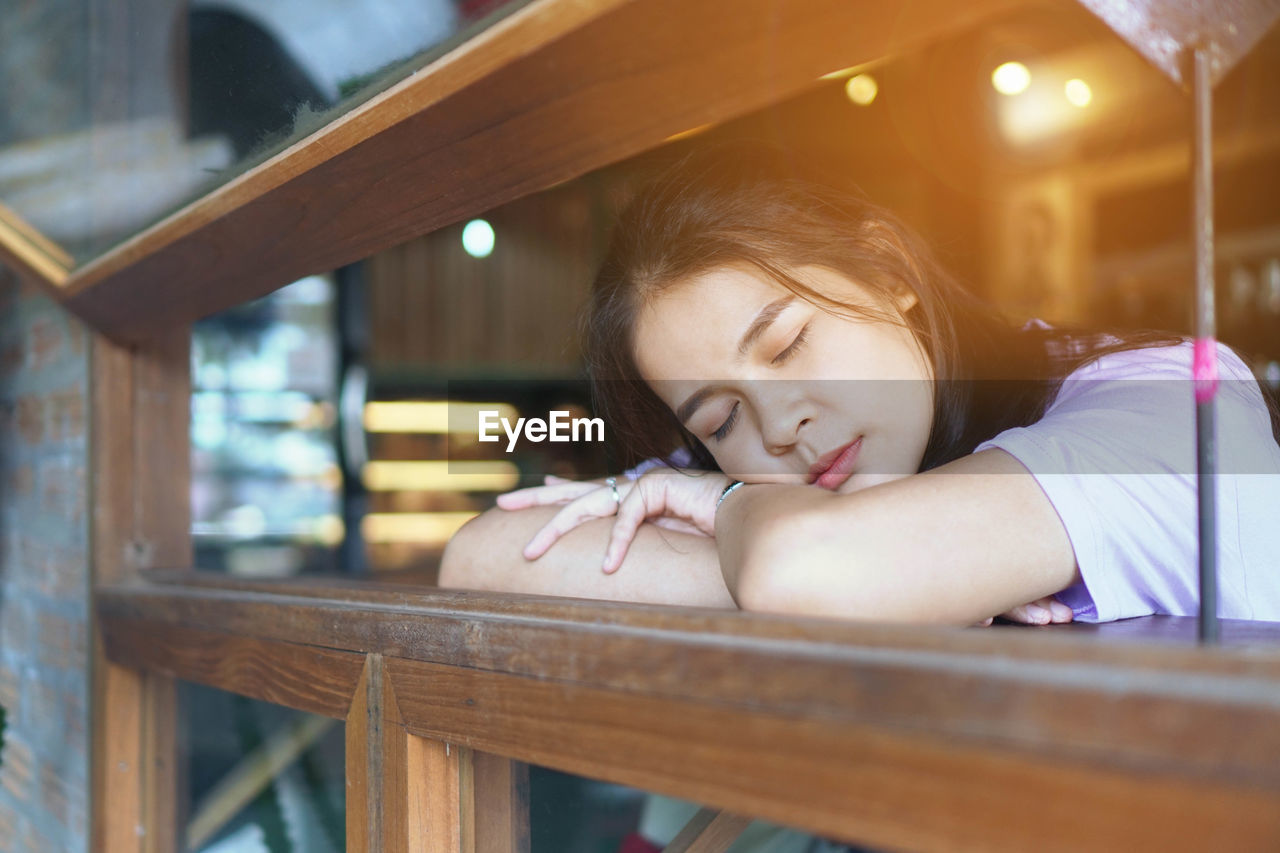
(794, 566)
(772, 575)
(458, 563)
(757, 591)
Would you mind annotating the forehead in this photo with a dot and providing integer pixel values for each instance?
(692, 328)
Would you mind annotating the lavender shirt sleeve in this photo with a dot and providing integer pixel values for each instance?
(1115, 455)
(679, 458)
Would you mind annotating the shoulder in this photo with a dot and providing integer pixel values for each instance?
(1167, 360)
(1156, 381)
(1133, 411)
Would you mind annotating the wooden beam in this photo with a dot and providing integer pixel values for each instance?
(139, 424)
(876, 785)
(1041, 690)
(555, 90)
(892, 735)
(303, 676)
(405, 794)
(35, 258)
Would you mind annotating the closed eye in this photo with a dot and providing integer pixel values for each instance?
(720, 434)
(794, 347)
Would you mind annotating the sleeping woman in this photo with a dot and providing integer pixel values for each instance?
(833, 426)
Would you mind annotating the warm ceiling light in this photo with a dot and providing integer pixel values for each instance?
(418, 528)
(438, 475)
(1078, 92)
(433, 416)
(861, 89)
(1011, 78)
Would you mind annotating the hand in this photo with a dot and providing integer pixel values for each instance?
(676, 499)
(1042, 611)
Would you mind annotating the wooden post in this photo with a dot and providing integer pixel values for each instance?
(141, 519)
(501, 804)
(410, 794)
(405, 794)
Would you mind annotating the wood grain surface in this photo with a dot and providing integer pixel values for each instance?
(139, 425)
(915, 737)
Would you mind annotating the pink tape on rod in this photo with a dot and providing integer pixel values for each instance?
(1204, 369)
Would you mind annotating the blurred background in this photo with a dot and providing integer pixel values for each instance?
(1045, 162)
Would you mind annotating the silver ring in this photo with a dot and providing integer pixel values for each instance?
(612, 482)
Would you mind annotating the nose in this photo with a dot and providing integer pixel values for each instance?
(782, 423)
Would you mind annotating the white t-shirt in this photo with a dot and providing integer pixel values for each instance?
(1115, 454)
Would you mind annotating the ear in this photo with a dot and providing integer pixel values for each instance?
(904, 299)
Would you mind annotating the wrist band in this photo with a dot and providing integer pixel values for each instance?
(727, 489)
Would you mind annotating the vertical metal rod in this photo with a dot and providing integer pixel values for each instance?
(1205, 363)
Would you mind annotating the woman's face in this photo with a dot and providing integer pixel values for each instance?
(780, 390)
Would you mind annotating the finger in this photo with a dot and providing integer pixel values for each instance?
(1055, 611)
(1060, 611)
(679, 525)
(985, 623)
(631, 514)
(550, 495)
(1028, 614)
(583, 509)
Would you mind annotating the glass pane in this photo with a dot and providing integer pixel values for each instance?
(575, 814)
(260, 778)
(267, 489)
(114, 115)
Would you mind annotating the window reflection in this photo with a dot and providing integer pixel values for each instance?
(260, 777)
(110, 120)
(266, 485)
(575, 814)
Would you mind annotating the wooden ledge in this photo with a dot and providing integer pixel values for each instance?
(904, 736)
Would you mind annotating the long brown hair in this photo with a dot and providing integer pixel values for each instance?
(751, 204)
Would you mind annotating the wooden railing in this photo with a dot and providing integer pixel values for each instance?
(903, 737)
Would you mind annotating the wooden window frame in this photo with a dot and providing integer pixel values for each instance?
(905, 737)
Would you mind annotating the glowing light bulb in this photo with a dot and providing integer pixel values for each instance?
(1078, 92)
(478, 238)
(1011, 78)
(862, 89)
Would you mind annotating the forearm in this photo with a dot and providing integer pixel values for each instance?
(952, 546)
(661, 566)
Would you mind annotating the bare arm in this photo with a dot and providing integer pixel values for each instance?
(956, 544)
(661, 567)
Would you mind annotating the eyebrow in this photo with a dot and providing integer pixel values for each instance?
(758, 327)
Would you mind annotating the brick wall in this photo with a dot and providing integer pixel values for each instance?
(44, 575)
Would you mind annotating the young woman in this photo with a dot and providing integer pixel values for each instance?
(859, 437)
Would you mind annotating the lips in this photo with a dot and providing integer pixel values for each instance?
(833, 468)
